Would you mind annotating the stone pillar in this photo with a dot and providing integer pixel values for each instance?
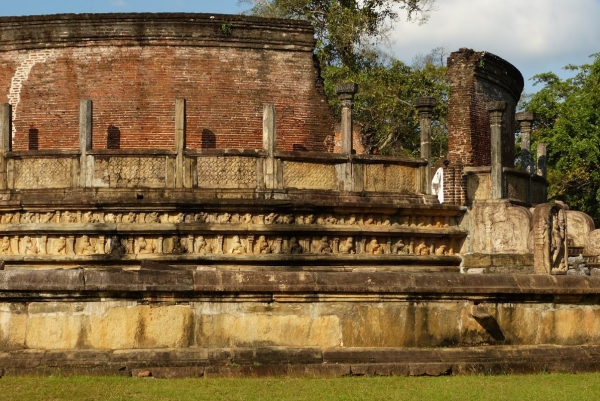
(271, 175)
(5, 141)
(43, 242)
(190, 244)
(86, 168)
(250, 248)
(101, 245)
(180, 133)
(496, 110)
(526, 119)
(542, 164)
(70, 245)
(542, 159)
(346, 92)
(424, 106)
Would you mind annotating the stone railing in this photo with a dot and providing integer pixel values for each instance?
(264, 169)
(526, 186)
(517, 186)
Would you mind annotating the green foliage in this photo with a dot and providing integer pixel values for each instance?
(345, 29)
(227, 29)
(347, 32)
(568, 120)
(383, 106)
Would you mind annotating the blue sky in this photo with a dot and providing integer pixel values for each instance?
(535, 35)
(32, 7)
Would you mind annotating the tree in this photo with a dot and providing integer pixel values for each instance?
(568, 120)
(383, 106)
(348, 32)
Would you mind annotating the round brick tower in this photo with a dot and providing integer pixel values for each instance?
(134, 66)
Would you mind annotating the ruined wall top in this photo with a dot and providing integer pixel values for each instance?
(489, 67)
(166, 29)
(477, 78)
(133, 67)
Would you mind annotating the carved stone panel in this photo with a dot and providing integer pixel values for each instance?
(479, 186)
(516, 187)
(550, 239)
(226, 172)
(125, 172)
(380, 178)
(42, 173)
(592, 243)
(309, 176)
(499, 227)
(579, 227)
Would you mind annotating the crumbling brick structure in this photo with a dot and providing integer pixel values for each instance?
(477, 78)
(133, 66)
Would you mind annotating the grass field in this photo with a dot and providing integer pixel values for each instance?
(527, 387)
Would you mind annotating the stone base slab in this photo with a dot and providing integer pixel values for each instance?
(304, 362)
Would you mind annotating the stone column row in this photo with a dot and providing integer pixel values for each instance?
(424, 106)
(527, 164)
(496, 111)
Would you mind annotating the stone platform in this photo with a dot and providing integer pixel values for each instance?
(262, 362)
(180, 323)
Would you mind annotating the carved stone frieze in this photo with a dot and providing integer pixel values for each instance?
(158, 217)
(144, 233)
(86, 245)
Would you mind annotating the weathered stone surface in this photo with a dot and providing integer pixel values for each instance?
(499, 227)
(257, 325)
(139, 280)
(334, 362)
(172, 372)
(500, 263)
(592, 243)
(579, 227)
(42, 280)
(105, 325)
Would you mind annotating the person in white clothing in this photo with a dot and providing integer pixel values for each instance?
(437, 183)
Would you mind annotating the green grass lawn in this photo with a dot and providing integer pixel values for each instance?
(527, 387)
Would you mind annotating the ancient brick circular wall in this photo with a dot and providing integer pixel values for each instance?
(475, 79)
(134, 66)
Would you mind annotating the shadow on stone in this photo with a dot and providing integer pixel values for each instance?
(209, 139)
(34, 136)
(113, 137)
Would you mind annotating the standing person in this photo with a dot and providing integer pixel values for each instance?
(437, 183)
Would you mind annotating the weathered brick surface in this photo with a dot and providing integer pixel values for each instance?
(477, 78)
(134, 66)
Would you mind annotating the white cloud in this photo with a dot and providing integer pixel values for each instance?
(118, 3)
(534, 35)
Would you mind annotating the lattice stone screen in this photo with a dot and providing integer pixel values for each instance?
(42, 173)
(227, 172)
(309, 176)
(383, 178)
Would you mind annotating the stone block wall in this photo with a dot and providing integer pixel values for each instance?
(133, 66)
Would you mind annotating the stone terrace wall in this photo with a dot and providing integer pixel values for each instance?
(133, 66)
